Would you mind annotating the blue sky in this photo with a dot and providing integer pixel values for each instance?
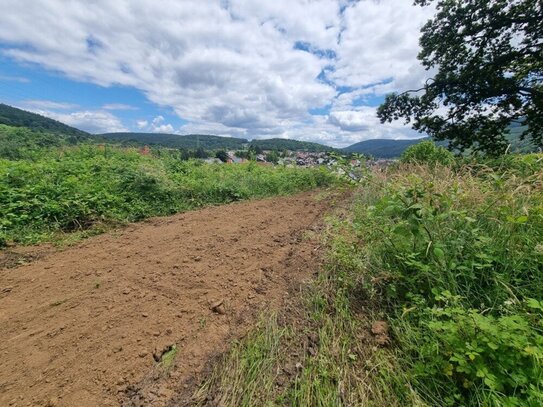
(311, 71)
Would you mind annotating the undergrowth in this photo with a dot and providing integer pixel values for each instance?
(76, 189)
(451, 257)
(454, 259)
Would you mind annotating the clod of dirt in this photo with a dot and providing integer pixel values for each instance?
(380, 330)
(218, 307)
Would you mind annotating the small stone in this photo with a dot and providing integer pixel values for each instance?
(143, 353)
(144, 314)
(218, 307)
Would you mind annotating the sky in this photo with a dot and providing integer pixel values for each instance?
(313, 70)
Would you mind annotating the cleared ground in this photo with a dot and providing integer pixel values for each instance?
(91, 325)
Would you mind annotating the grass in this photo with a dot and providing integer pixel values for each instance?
(247, 374)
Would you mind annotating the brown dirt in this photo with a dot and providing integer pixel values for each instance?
(81, 327)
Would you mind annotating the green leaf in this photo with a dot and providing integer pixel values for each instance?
(439, 253)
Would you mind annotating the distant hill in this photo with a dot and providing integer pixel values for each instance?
(191, 141)
(382, 148)
(518, 145)
(209, 142)
(287, 144)
(11, 116)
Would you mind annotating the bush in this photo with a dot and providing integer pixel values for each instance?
(427, 152)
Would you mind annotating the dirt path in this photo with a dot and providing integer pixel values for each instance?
(82, 327)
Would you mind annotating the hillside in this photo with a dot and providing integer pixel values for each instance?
(12, 116)
(191, 141)
(287, 144)
(20, 142)
(518, 145)
(381, 148)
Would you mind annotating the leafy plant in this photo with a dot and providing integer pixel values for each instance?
(427, 152)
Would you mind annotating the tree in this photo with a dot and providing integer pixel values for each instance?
(487, 56)
(272, 157)
(201, 153)
(222, 155)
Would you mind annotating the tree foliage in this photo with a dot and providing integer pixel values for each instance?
(486, 57)
(427, 152)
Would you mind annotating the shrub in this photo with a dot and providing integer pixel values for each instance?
(427, 152)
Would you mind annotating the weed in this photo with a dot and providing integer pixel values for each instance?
(168, 357)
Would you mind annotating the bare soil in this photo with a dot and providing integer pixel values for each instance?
(88, 326)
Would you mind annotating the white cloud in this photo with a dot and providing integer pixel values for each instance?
(91, 121)
(118, 106)
(141, 124)
(48, 104)
(230, 65)
(156, 125)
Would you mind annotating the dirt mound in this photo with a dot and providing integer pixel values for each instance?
(131, 317)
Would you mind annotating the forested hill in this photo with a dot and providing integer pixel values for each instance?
(381, 148)
(209, 142)
(287, 144)
(191, 141)
(12, 116)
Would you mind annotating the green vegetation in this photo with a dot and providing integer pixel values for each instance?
(248, 373)
(190, 141)
(82, 187)
(193, 141)
(280, 144)
(11, 116)
(450, 257)
(427, 152)
(20, 142)
(168, 357)
(382, 148)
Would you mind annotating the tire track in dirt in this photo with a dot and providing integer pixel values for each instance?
(79, 327)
